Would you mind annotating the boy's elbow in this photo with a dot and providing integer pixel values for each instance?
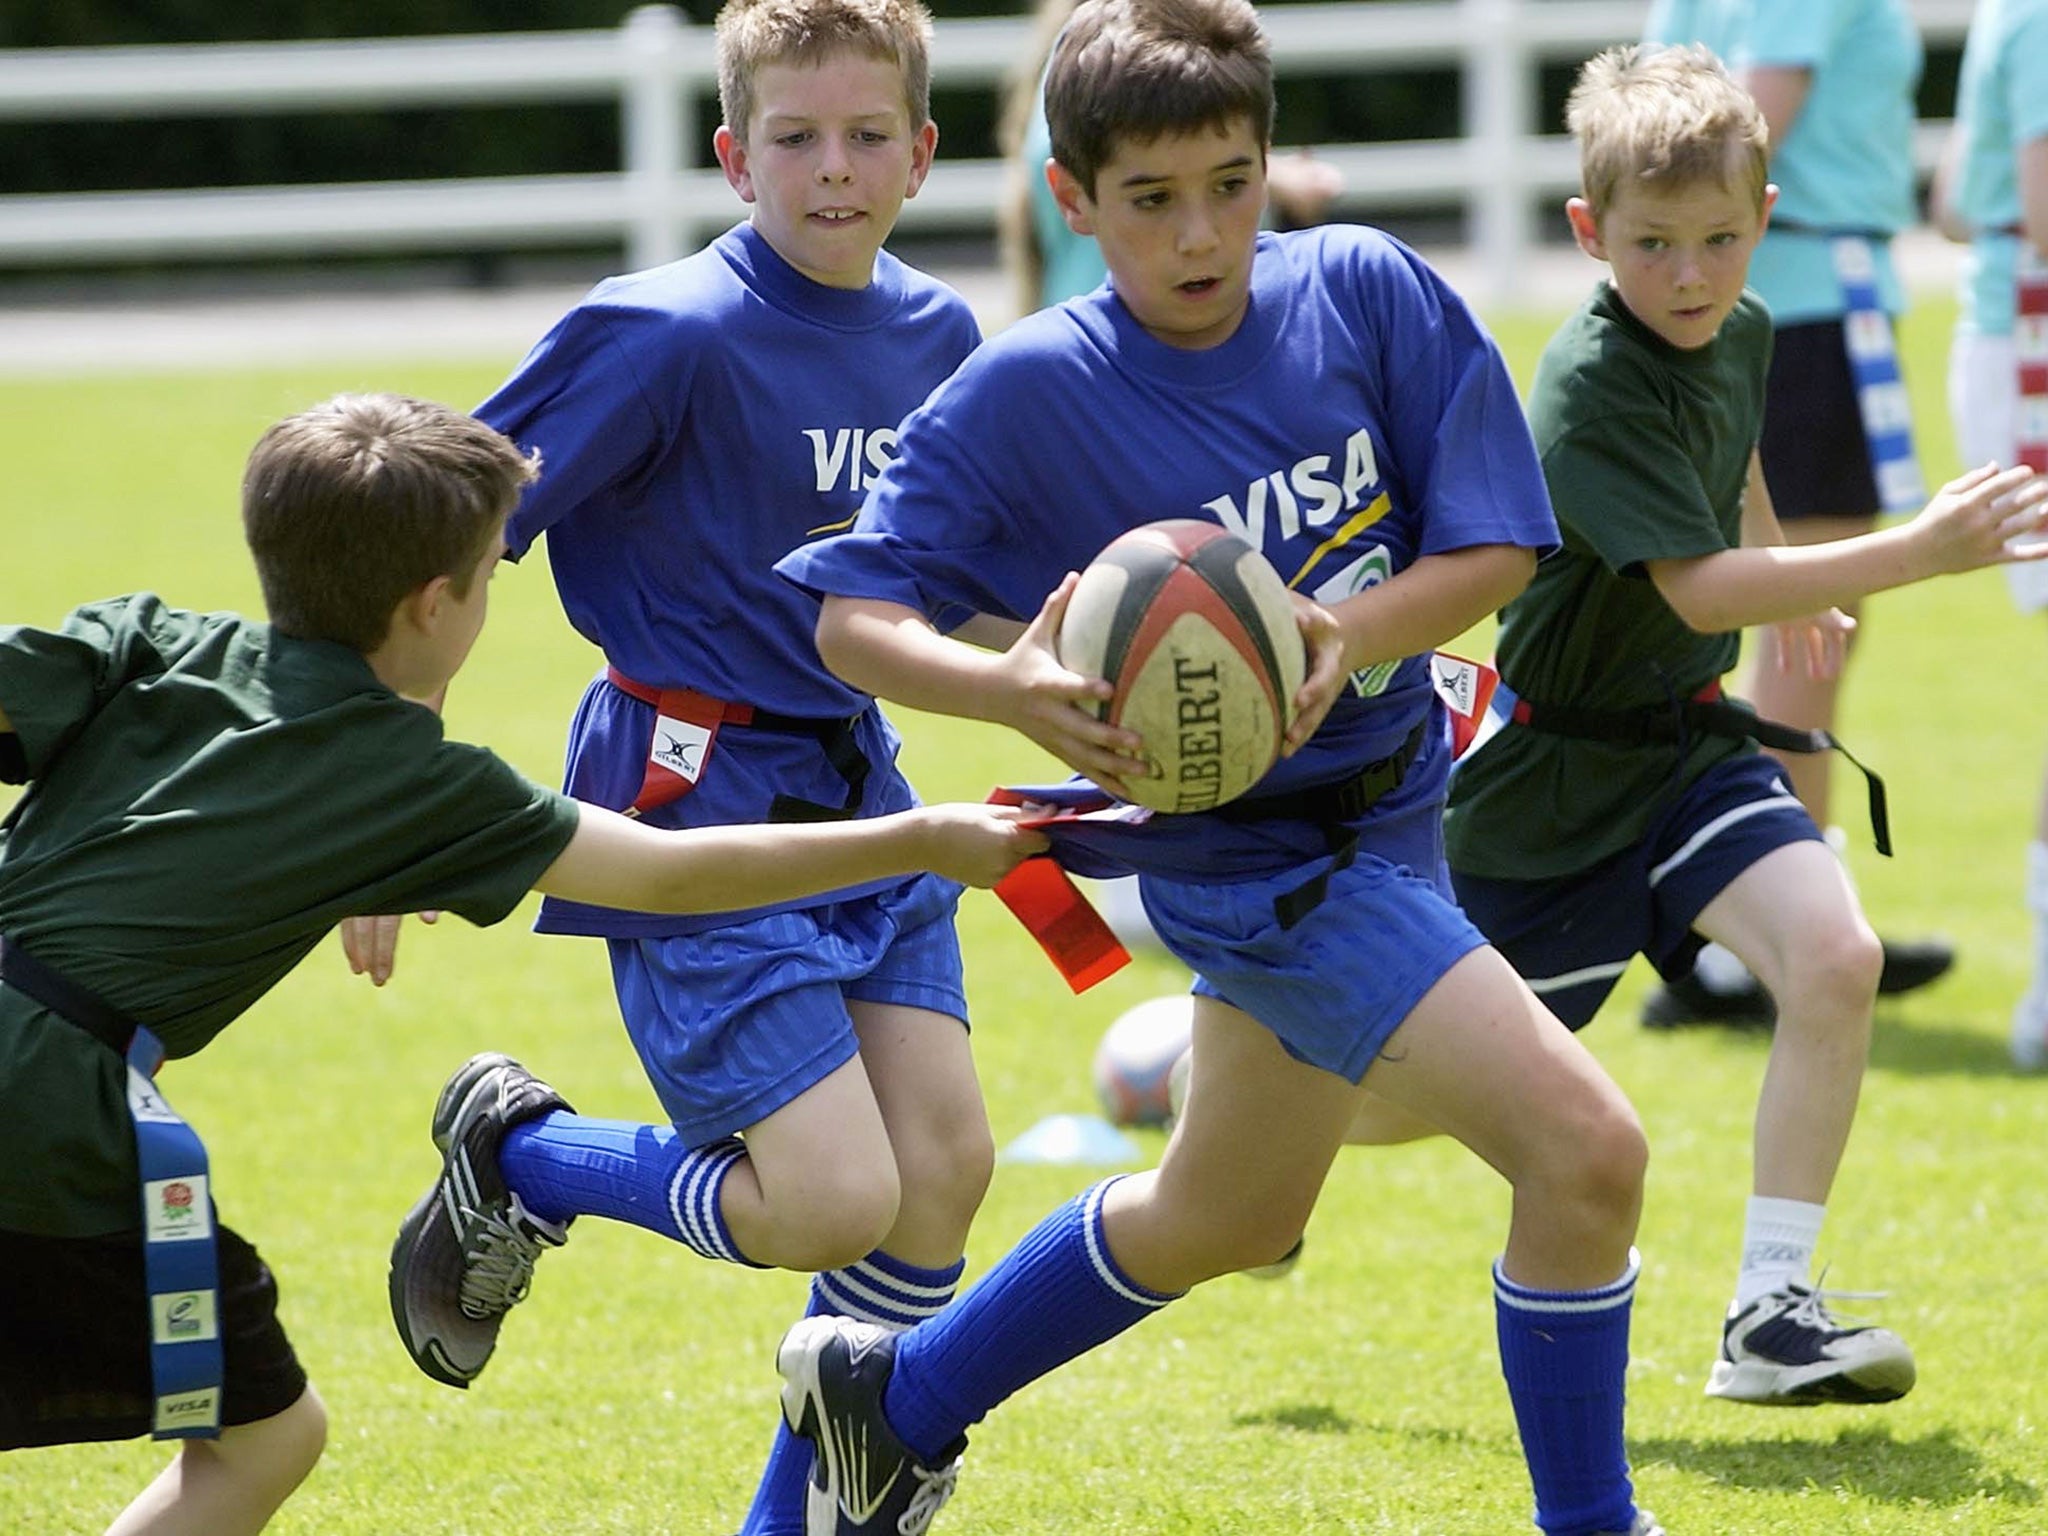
(836, 647)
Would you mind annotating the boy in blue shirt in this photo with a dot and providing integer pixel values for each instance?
(206, 797)
(1325, 395)
(699, 421)
(1627, 808)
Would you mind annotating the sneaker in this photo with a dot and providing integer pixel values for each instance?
(1786, 1349)
(1688, 1000)
(1910, 964)
(2029, 1040)
(1645, 1525)
(863, 1478)
(465, 1254)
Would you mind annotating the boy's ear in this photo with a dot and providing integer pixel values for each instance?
(1075, 205)
(1585, 228)
(923, 145)
(732, 159)
(1770, 201)
(421, 610)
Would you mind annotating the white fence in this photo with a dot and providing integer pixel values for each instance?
(657, 67)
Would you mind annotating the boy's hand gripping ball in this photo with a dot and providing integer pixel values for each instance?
(1196, 631)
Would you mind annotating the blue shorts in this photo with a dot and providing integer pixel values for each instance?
(733, 1023)
(1337, 984)
(1572, 937)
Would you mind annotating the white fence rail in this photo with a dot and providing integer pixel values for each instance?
(657, 67)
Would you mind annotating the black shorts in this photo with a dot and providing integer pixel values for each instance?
(74, 1339)
(1815, 455)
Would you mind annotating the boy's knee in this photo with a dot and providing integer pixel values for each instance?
(949, 1173)
(1835, 970)
(839, 1222)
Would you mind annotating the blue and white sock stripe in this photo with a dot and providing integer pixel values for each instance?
(1874, 366)
(870, 1292)
(1099, 1258)
(1525, 1298)
(693, 1200)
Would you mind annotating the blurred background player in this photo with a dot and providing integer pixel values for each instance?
(1626, 809)
(1835, 80)
(1217, 364)
(1993, 192)
(699, 421)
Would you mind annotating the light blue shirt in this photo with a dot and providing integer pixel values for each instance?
(1846, 165)
(2001, 104)
(1073, 263)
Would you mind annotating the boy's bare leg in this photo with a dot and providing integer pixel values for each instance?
(1479, 1057)
(233, 1485)
(1793, 918)
(921, 1068)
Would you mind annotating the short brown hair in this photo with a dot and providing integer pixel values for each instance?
(1664, 116)
(351, 505)
(1140, 69)
(754, 33)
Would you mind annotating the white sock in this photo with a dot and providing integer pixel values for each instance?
(1778, 1239)
(2037, 903)
(1719, 971)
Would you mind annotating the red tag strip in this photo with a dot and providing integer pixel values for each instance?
(1067, 926)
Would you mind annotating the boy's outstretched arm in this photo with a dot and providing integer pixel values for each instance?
(892, 652)
(1970, 523)
(613, 861)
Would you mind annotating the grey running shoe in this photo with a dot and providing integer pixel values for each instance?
(1786, 1349)
(863, 1478)
(465, 1254)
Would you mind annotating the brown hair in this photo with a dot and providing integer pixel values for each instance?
(754, 33)
(1141, 69)
(1670, 117)
(352, 505)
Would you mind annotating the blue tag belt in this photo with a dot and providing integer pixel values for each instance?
(178, 1257)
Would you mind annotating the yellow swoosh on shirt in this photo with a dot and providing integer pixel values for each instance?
(1357, 523)
(845, 522)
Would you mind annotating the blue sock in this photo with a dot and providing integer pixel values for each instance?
(878, 1289)
(1054, 1296)
(1565, 1354)
(563, 1165)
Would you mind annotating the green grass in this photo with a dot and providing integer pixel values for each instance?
(634, 1392)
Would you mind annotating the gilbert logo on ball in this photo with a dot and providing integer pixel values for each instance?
(1196, 631)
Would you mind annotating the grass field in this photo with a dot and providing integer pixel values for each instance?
(634, 1392)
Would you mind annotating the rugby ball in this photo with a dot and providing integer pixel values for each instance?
(1195, 630)
(1133, 1066)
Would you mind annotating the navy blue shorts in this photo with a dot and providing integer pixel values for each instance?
(735, 1022)
(74, 1339)
(1815, 453)
(1572, 937)
(1337, 984)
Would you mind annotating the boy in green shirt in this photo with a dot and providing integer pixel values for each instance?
(1627, 809)
(208, 796)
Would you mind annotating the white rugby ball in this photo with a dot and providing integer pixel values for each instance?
(1195, 629)
(1133, 1066)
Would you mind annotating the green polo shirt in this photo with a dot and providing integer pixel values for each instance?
(1645, 447)
(207, 799)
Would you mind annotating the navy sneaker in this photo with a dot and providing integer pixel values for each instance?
(465, 1253)
(1909, 964)
(863, 1479)
(1786, 1349)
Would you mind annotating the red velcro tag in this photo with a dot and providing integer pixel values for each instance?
(1067, 926)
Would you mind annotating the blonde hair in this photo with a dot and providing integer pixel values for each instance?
(1669, 117)
(754, 33)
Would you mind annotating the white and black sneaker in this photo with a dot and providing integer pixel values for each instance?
(1786, 1349)
(1645, 1525)
(465, 1253)
(863, 1479)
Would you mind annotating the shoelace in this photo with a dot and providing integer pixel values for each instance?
(1814, 1310)
(498, 1262)
(934, 1487)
